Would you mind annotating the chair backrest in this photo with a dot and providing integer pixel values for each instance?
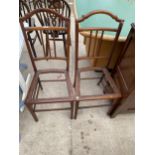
(23, 8)
(47, 50)
(29, 4)
(60, 6)
(95, 36)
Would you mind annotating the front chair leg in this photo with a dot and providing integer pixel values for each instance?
(64, 42)
(76, 109)
(32, 112)
(72, 109)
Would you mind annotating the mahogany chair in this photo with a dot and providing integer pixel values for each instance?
(23, 10)
(52, 73)
(61, 7)
(95, 34)
(125, 68)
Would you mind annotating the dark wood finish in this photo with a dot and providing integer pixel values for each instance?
(23, 10)
(97, 32)
(61, 7)
(124, 75)
(32, 99)
(29, 3)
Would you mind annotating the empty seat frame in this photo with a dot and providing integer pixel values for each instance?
(48, 54)
(96, 34)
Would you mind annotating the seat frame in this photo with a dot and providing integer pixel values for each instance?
(32, 98)
(115, 92)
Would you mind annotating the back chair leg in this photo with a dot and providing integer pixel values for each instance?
(101, 79)
(76, 109)
(32, 46)
(40, 85)
(39, 37)
(32, 112)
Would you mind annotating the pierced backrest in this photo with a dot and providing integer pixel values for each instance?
(95, 35)
(23, 8)
(60, 6)
(47, 49)
(29, 4)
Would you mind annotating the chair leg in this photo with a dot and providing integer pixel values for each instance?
(115, 108)
(64, 41)
(32, 46)
(70, 43)
(39, 37)
(32, 112)
(40, 85)
(72, 110)
(100, 79)
(76, 109)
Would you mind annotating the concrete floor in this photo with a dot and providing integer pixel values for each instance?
(93, 133)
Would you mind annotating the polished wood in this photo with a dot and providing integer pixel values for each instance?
(48, 53)
(124, 9)
(61, 7)
(124, 75)
(24, 8)
(94, 32)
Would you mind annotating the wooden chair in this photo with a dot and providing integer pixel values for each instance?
(23, 10)
(125, 68)
(111, 91)
(47, 53)
(61, 7)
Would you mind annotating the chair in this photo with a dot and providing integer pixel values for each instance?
(50, 73)
(23, 10)
(95, 34)
(61, 7)
(125, 68)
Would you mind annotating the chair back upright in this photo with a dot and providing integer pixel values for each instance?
(47, 50)
(95, 36)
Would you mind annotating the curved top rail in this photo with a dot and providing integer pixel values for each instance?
(30, 14)
(100, 12)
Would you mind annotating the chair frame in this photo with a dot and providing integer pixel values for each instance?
(50, 5)
(26, 9)
(32, 98)
(116, 92)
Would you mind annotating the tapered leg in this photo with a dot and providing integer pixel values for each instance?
(70, 43)
(76, 109)
(115, 108)
(64, 41)
(32, 112)
(72, 110)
